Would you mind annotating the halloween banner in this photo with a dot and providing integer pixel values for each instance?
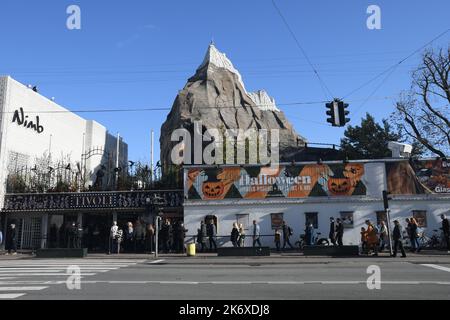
(313, 180)
(418, 177)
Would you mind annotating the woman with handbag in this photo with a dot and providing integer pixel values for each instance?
(415, 235)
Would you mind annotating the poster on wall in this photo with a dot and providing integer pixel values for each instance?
(277, 221)
(418, 177)
(299, 181)
(347, 219)
(434, 174)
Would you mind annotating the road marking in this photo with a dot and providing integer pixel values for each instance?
(44, 274)
(157, 261)
(11, 295)
(435, 266)
(22, 288)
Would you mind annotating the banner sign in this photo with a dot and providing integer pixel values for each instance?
(299, 181)
(418, 177)
(90, 200)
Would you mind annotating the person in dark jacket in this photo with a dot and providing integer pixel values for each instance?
(11, 240)
(166, 230)
(397, 237)
(235, 235)
(339, 232)
(180, 236)
(332, 234)
(201, 236)
(212, 232)
(446, 230)
(287, 233)
(409, 228)
(73, 231)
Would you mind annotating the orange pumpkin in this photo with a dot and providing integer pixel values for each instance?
(213, 190)
(339, 186)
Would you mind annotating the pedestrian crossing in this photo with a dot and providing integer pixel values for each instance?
(21, 277)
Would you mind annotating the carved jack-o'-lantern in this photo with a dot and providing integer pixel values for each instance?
(213, 190)
(339, 186)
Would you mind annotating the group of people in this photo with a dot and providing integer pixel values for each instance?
(336, 233)
(208, 232)
(376, 238)
(172, 237)
(136, 238)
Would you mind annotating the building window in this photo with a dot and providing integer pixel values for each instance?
(276, 220)
(381, 216)
(243, 219)
(312, 217)
(421, 218)
(347, 219)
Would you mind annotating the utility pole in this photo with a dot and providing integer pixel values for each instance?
(151, 156)
(117, 160)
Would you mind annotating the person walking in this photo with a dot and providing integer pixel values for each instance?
(166, 230)
(383, 235)
(278, 239)
(339, 232)
(363, 241)
(235, 235)
(446, 231)
(201, 236)
(397, 237)
(415, 234)
(11, 240)
(372, 238)
(410, 236)
(130, 238)
(287, 233)
(112, 238)
(332, 234)
(241, 241)
(212, 232)
(256, 234)
(181, 236)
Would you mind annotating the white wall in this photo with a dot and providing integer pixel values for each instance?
(294, 215)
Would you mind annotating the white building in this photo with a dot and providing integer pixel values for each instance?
(36, 131)
(315, 192)
(32, 126)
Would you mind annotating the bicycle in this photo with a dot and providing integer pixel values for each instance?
(301, 243)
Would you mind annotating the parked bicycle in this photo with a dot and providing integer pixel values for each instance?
(301, 243)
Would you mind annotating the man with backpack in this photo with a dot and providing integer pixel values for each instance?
(287, 233)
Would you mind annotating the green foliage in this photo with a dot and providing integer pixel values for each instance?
(369, 140)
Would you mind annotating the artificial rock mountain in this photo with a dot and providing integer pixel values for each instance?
(217, 97)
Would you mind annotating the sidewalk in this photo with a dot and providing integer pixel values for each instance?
(292, 257)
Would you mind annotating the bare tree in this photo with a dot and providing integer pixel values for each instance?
(422, 113)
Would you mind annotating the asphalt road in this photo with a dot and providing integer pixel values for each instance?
(215, 278)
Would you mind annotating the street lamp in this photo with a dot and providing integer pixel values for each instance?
(388, 216)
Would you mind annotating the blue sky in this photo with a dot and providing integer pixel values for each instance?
(139, 53)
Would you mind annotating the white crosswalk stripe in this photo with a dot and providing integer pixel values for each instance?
(19, 277)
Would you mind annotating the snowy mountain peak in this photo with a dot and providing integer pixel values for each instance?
(263, 101)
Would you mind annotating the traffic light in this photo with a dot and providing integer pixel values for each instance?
(343, 113)
(332, 112)
(337, 113)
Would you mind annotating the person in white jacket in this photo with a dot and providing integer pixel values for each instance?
(112, 237)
